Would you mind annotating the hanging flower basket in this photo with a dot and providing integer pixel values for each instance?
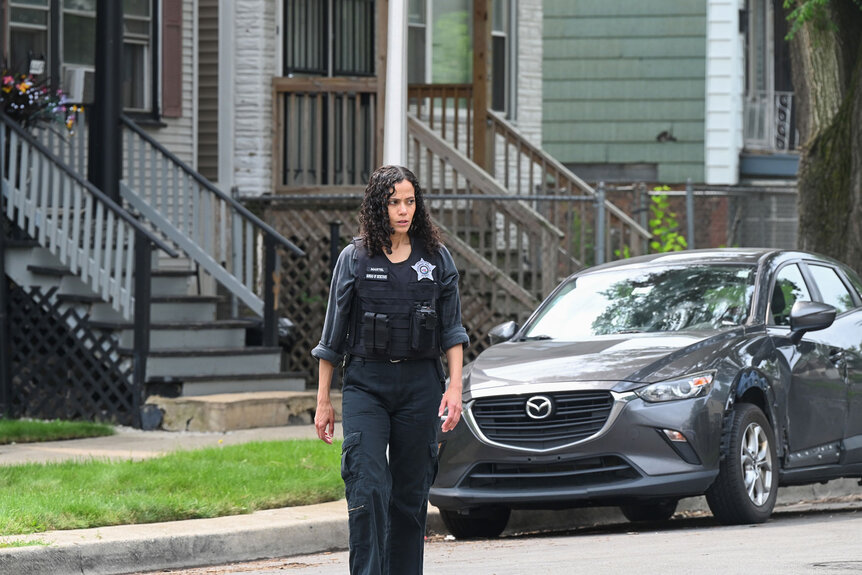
(33, 103)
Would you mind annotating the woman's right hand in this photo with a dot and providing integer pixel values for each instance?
(324, 417)
(324, 420)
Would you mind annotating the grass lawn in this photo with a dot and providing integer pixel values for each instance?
(28, 430)
(212, 482)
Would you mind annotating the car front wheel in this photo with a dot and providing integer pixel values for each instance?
(747, 483)
(483, 522)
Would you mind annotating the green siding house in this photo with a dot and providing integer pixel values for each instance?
(665, 90)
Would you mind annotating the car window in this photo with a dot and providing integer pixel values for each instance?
(660, 298)
(832, 289)
(789, 287)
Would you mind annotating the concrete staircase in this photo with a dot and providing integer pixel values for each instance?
(194, 356)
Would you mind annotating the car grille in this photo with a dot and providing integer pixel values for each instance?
(585, 472)
(576, 415)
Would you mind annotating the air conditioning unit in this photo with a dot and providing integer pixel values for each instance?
(75, 80)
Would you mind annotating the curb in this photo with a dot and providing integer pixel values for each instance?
(294, 531)
(181, 544)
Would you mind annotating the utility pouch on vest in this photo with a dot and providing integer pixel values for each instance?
(423, 328)
(375, 332)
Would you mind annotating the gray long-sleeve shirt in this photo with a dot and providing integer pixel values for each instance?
(333, 341)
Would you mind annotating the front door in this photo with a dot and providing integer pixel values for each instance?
(816, 407)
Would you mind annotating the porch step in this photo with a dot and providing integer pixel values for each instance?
(58, 271)
(162, 308)
(192, 354)
(194, 386)
(214, 362)
(229, 411)
(183, 335)
(171, 282)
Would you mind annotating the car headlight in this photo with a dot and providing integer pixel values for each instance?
(694, 385)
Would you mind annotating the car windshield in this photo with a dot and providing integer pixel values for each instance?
(655, 299)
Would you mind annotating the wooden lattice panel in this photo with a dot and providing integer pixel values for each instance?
(305, 282)
(60, 367)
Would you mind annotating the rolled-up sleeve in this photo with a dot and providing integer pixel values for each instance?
(449, 304)
(333, 340)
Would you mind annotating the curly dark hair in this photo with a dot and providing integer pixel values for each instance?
(375, 229)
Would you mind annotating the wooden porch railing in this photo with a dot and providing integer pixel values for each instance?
(325, 132)
(525, 170)
(447, 109)
(595, 230)
(518, 247)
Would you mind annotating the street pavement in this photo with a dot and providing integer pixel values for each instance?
(264, 534)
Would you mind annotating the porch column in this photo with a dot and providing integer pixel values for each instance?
(104, 165)
(481, 35)
(395, 115)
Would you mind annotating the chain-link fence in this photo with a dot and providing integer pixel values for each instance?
(716, 216)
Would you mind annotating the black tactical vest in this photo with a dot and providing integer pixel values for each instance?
(394, 314)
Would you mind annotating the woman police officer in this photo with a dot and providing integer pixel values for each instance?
(393, 308)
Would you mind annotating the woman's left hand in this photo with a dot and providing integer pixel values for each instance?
(451, 405)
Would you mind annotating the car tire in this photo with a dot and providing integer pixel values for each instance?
(660, 510)
(747, 483)
(486, 522)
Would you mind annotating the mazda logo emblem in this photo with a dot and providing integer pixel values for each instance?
(539, 407)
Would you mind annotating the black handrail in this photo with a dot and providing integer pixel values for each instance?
(209, 186)
(109, 203)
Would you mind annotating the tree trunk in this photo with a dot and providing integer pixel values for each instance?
(826, 61)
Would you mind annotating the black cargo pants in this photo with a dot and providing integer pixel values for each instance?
(394, 406)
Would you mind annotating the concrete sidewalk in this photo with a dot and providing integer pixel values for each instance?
(264, 534)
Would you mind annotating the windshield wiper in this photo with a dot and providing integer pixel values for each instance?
(630, 331)
(536, 338)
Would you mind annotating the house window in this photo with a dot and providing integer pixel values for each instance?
(417, 39)
(445, 27)
(452, 42)
(137, 28)
(502, 56)
(329, 37)
(28, 33)
(63, 34)
(79, 49)
(353, 39)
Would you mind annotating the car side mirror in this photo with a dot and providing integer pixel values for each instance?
(502, 332)
(808, 316)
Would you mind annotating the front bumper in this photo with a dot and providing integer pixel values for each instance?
(630, 459)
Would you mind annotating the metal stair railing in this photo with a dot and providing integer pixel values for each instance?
(517, 244)
(90, 234)
(221, 235)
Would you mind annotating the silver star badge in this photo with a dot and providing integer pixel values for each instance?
(423, 270)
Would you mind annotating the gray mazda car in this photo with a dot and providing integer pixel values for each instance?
(725, 373)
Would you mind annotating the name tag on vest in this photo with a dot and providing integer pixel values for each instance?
(377, 274)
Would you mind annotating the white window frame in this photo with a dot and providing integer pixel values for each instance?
(10, 27)
(55, 44)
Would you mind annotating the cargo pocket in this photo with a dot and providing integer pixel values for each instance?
(349, 455)
(423, 328)
(433, 466)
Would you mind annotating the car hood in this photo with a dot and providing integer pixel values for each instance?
(603, 361)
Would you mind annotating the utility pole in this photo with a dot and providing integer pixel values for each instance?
(104, 166)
